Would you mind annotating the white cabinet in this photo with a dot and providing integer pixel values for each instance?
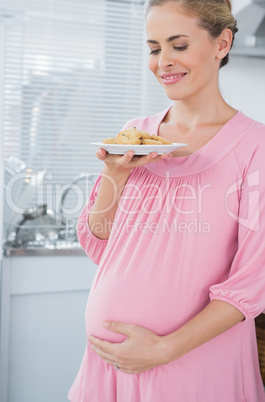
(43, 337)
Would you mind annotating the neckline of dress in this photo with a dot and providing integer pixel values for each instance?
(206, 156)
(201, 149)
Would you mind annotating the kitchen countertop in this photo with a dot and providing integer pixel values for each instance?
(60, 248)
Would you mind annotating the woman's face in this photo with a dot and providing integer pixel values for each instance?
(182, 55)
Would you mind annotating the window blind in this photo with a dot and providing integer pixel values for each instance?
(75, 71)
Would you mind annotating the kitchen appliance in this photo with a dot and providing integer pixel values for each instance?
(250, 39)
(37, 227)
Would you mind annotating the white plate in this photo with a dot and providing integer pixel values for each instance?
(121, 149)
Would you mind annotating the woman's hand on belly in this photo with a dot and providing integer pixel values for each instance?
(141, 351)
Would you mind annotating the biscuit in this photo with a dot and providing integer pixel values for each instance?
(145, 135)
(161, 139)
(152, 142)
(129, 137)
(110, 140)
(133, 136)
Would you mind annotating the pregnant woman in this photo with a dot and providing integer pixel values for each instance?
(179, 238)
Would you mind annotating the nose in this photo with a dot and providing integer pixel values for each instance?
(166, 60)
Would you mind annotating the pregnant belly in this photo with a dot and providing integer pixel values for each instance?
(147, 303)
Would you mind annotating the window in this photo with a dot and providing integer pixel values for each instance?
(75, 71)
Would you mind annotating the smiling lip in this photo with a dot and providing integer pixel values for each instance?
(172, 78)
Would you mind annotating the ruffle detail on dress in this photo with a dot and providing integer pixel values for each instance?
(93, 246)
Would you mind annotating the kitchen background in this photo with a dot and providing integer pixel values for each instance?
(73, 72)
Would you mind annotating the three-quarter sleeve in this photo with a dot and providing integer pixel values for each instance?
(245, 286)
(93, 246)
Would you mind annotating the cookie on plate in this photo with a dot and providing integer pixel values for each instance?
(145, 135)
(161, 139)
(152, 142)
(110, 140)
(130, 137)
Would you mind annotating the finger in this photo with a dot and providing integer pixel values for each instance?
(140, 160)
(150, 158)
(162, 156)
(112, 361)
(130, 160)
(103, 355)
(126, 158)
(108, 358)
(165, 155)
(129, 155)
(101, 153)
(104, 346)
(120, 327)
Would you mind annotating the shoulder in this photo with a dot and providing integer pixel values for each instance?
(146, 123)
(250, 149)
(252, 132)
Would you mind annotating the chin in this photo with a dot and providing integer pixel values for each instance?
(172, 93)
(174, 96)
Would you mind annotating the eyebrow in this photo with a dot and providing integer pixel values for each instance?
(170, 39)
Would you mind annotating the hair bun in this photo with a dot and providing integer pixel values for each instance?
(229, 4)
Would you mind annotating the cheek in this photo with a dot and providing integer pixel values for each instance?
(204, 60)
(152, 64)
(192, 60)
(197, 64)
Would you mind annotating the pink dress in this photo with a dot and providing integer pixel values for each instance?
(187, 230)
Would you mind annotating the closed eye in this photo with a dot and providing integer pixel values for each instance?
(178, 48)
(155, 51)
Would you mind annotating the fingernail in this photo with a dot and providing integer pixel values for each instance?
(130, 154)
(101, 152)
(154, 156)
(106, 323)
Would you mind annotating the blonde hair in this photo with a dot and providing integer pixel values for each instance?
(214, 16)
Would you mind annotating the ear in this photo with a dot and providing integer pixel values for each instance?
(224, 42)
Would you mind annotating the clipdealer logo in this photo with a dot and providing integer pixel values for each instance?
(250, 185)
